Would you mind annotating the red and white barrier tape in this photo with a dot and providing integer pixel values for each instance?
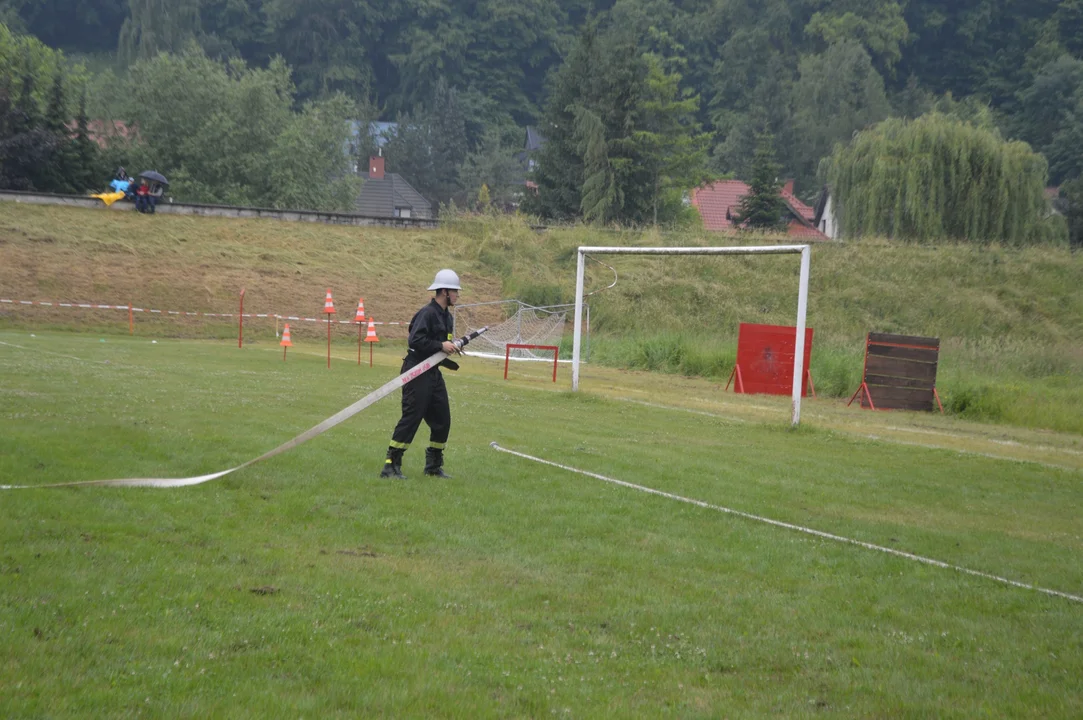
(97, 306)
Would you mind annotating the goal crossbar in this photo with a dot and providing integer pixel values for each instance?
(802, 297)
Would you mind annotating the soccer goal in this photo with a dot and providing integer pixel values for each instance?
(802, 297)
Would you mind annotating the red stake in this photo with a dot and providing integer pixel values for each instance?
(240, 322)
(359, 343)
(131, 320)
(328, 310)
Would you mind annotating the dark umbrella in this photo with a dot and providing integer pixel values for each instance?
(154, 176)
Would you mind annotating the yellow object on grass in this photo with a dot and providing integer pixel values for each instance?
(109, 198)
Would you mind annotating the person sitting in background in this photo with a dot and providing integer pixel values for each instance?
(120, 184)
(122, 174)
(156, 195)
(142, 196)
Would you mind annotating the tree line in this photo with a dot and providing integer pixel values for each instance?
(41, 148)
(752, 63)
(808, 73)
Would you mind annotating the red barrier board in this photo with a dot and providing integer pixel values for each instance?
(765, 356)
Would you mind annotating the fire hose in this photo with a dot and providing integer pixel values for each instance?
(341, 416)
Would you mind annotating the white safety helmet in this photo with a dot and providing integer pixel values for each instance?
(446, 279)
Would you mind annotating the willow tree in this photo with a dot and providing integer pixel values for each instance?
(937, 177)
(156, 26)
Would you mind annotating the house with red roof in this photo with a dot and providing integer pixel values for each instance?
(718, 203)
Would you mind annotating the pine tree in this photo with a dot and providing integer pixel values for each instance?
(602, 196)
(559, 169)
(447, 142)
(670, 143)
(762, 207)
(25, 147)
(55, 173)
(87, 155)
(27, 113)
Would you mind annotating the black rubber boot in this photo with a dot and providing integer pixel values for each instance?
(393, 464)
(434, 463)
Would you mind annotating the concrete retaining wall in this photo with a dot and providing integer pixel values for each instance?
(328, 218)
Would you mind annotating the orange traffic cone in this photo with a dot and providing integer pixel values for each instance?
(328, 303)
(371, 338)
(285, 341)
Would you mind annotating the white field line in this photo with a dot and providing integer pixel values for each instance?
(894, 441)
(961, 451)
(798, 528)
(1009, 443)
(704, 413)
(50, 352)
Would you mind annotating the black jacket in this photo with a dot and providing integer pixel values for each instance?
(431, 326)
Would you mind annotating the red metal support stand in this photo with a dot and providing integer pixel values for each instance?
(509, 346)
(868, 396)
(240, 322)
(739, 386)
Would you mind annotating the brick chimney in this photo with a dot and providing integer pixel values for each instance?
(787, 188)
(376, 168)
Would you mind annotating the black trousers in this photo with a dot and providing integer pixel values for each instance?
(423, 399)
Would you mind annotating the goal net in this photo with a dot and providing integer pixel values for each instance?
(512, 322)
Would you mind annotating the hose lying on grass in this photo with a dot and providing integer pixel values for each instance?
(381, 392)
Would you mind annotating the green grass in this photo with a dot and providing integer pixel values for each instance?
(304, 586)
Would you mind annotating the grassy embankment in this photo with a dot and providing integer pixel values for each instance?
(1010, 321)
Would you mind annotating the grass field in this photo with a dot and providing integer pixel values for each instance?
(306, 587)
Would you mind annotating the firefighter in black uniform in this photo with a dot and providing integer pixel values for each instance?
(426, 397)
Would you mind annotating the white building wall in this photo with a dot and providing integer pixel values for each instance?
(828, 222)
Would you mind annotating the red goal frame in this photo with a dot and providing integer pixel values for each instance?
(507, 355)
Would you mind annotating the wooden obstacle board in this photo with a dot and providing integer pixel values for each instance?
(900, 373)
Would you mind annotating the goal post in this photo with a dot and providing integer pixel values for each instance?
(802, 297)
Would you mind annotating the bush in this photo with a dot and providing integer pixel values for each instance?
(836, 372)
(974, 402)
(542, 295)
